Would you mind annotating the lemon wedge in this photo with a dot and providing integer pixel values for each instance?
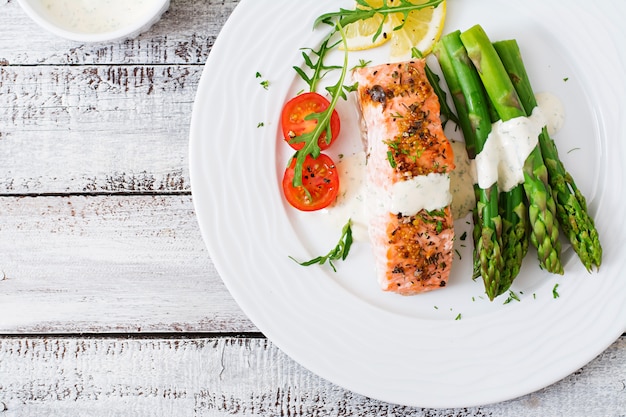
(421, 30)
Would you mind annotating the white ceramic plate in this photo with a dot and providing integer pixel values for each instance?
(413, 350)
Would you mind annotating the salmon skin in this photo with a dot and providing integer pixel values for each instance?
(411, 235)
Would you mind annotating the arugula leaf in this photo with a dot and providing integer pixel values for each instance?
(314, 59)
(339, 252)
(362, 64)
(435, 80)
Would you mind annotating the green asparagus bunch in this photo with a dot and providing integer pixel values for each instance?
(541, 205)
(571, 206)
(489, 82)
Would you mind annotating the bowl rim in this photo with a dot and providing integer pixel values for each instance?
(128, 31)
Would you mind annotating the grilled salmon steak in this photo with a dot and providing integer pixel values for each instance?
(409, 159)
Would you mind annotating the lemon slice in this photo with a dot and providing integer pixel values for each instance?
(421, 30)
(360, 34)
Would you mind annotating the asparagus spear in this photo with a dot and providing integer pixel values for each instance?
(515, 227)
(463, 122)
(570, 203)
(472, 111)
(515, 233)
(542, 207)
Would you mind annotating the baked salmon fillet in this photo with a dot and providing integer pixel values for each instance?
(409, 159)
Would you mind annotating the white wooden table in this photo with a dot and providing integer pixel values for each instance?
(109, 302)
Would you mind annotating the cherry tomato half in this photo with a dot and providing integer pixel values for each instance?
(319, 177)
(293, 119)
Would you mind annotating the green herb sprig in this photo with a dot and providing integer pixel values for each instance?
(339, 252)
(555, 293)
(512, 296)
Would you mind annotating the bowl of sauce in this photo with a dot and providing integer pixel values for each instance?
(95, 20)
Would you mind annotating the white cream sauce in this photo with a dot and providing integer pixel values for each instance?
(507, 147)
(462, 182)
(350, 203)
(429, 192)
(553, 111)
(96, 16)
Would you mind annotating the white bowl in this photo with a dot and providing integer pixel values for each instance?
(95, 20)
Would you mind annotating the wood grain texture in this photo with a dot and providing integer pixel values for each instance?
(109, 264)
(241, 377)
(105, 129)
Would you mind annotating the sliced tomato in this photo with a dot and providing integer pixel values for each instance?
(294, 122)
(320, 183)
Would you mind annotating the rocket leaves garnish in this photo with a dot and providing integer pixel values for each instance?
(339, 252)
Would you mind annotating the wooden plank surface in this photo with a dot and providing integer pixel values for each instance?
(109, 264)
(77, 129)
(242, 377)
(79, 123)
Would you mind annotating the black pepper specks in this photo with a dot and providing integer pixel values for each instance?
(377, 93)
